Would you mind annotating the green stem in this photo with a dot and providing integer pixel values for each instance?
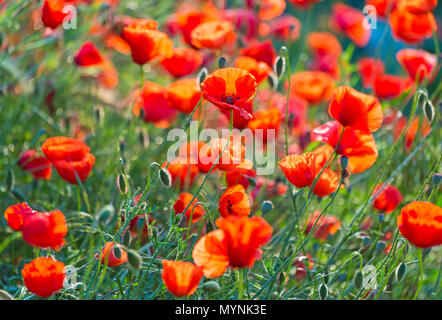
(421, 274)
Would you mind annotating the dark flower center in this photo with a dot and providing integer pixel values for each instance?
(230, 99)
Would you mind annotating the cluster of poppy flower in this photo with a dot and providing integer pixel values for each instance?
(241, 235)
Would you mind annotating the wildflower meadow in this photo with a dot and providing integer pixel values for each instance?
(220, 150)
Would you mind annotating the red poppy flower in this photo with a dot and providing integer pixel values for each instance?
(369, 69)
(269, 9)
(45, 229)
(183, 171)
(182, 203)
(412, 130)
(230, 88)
(412, 28)
(188, 20)
(117, 43)
(16, 214)
(213, 34)
(417, 6)
(421, 223)
(300, 169)
(313, 86)
(285, 28)
(61, 148)
(382, 6)
(265, 120)
(234, 201)
(39, 167)
(389, 198)
(327, 183)
(108, 76)
(154, 103)
(259, 69)
(260, 51)
(145, 42)
(325, 227)
(300, 265)
(388, 86)
(323, 153)
(52, 13)
(88, 55)
(350, 21)
(232, 156)
(358, 146)
(108, 255)
(181, 278)
(236, 244)
(44, 276)
(355, 109)
(139, 225)
(418, 63)
(183, 95)
(326, 52)
(183, 62)
(297, 111)
(241, 174)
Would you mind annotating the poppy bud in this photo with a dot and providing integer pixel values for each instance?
(380, 246)
(279, 66)
(122, 184)
(366, 241)
(428, 109)
(127, 240)
(344, 162)
(358, 279)
(222, 62)
(211, 286)
(122, 146)
(117, 252)
(5, 296)
(381, 218)
(400, 271)
(323, 291)
(202, 75)
(266, 206)
(273, 81)
(283, 52)
(10, 180)
(165, 177)
(134, 259)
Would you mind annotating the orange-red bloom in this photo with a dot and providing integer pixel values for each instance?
(412, 28)
(326, 52)
(154, 103)
(234, 201)
(369, 69)
(70, 157)
(108, 255)
(45, 229)
(261, 51)
(181, 278)
(181, 204)
(313, 86)
(241, 174)
(213, 34)
(269, 9)
(300, 169)
(350, 21)
(325, 227)
(16, 214)
(417, 6)
(52, 13)
(44, 276)
(355, 109)
(265, 120)
(358, 146)
(259, 69)
(382, 6)
(418, 63)
(389, 198)
(389, 86)
(236, 244)
(187, 20)
(285, 28)
(147, 43)
(327, 183)
(183, 95)
(233, 154)
(183, 62)
(230, 88)
(421, 223)
(88, 55)
(183, 171)
(38, 166)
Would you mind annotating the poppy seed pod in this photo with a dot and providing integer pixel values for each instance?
(222, 62)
